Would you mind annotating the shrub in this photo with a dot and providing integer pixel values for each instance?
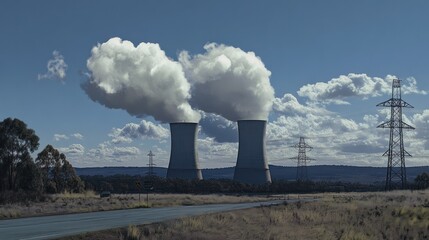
(21, 196)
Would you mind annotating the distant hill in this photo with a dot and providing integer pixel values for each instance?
(317, 173)
(109, 171)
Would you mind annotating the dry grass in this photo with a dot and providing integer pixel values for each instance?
(163, 200)
(393, 215)
(133, 233)
(89, 202)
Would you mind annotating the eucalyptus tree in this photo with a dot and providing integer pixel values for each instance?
(46, 160)
(17, 142)
(58, 174)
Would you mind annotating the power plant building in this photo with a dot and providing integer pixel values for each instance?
(252, 165)
(183, 157)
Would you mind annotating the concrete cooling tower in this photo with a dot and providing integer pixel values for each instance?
(183, 157)
(252, 166)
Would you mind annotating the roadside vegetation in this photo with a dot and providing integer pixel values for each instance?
(89, 202)
(391, 215)
(126, 184)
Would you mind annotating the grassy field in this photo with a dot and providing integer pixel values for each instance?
(393, 215)
(90, 202)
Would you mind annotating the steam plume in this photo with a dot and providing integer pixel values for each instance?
(141, 80)
(229, 82)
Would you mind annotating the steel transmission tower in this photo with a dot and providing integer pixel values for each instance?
(301, 169)
(396, 173)
(151, 173)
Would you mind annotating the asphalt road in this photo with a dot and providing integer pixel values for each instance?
(51, 227)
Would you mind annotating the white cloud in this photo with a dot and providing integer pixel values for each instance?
(289, 104)
(77, 136)
(330, 135)
(410, 86)
(219, 128)
(59, 137)
(230, 82)
(340, 140)
(336, 139)
(107, 153)
(57, 67)
(338, 89)
(73, 149)
(421, 123)
(145, 129)
(213, 154)
(141, 80)
(125, 151)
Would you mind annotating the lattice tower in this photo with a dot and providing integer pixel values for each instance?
(302, 159)
(396, 177)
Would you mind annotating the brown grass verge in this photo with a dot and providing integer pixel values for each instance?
(393, 215)
(66, 203)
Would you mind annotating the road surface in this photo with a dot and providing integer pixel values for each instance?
(51, 227)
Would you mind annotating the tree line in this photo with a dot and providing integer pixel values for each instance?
(134, 184)
(130, 184)
(21, 175)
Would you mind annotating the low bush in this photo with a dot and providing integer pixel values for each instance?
(8, 197)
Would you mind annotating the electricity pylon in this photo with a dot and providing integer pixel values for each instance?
(301, 169)
(151, 173)
(396, 172)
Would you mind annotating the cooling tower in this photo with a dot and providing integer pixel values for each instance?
(183, 157)
(252, 166)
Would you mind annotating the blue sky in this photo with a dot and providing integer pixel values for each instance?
(300, 43)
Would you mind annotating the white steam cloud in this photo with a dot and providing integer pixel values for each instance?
(141, 80)
(229, 82)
